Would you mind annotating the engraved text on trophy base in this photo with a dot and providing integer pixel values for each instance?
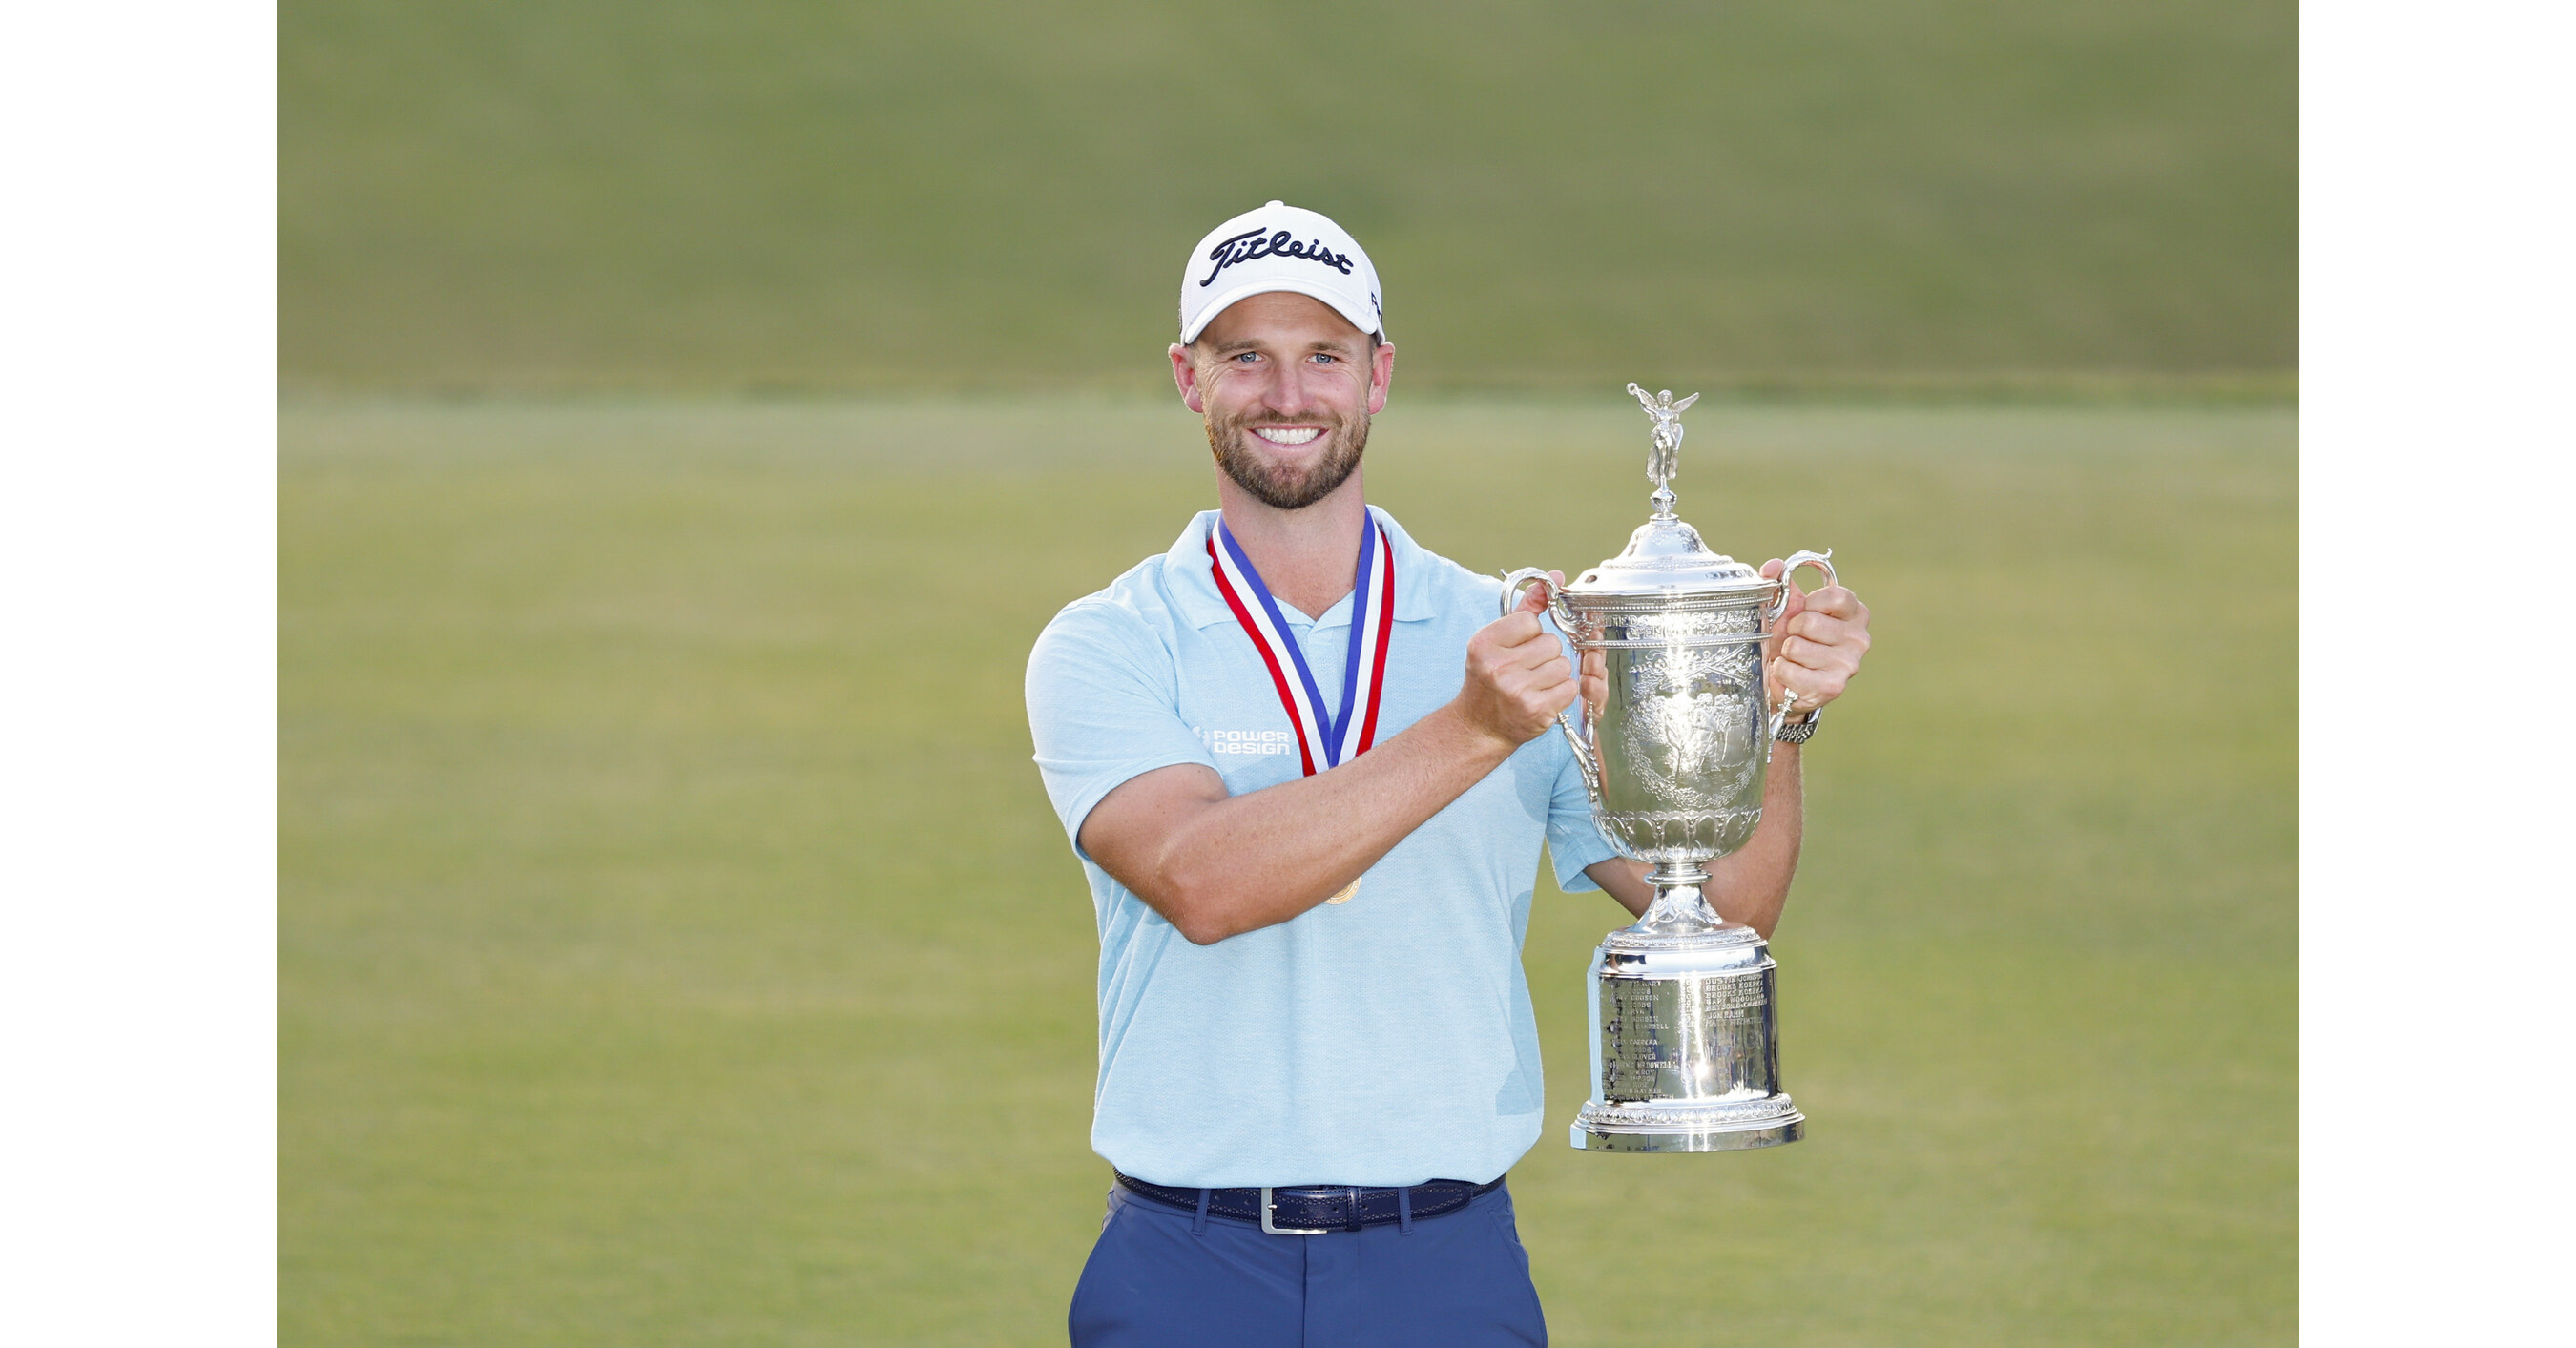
(1705, 1037)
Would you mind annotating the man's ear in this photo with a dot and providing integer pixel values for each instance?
(1185, 374)
(1381, 375)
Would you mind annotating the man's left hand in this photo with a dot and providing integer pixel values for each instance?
(1816, 647)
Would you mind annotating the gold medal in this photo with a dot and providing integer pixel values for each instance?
(1347, 891)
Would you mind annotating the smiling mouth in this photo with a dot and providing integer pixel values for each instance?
(1288, 437)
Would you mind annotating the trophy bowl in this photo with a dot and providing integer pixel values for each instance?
(1685, 1049)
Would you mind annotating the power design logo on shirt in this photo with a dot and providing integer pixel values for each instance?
(1259, 742)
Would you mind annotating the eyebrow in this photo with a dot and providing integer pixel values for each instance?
(1333, 345)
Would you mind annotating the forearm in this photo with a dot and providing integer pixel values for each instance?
(1217, 865)
(1244, 862)
(1750, 886)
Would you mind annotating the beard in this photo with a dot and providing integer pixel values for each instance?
(1282, 486)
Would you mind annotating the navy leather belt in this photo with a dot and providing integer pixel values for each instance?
(1313, 1209)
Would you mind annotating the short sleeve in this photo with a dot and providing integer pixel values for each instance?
(1573, 841)
(1103, 708)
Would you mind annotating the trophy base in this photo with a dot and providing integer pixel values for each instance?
(1676, 1127)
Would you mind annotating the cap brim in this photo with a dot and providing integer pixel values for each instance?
(1360, 319)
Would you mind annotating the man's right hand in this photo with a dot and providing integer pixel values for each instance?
(1518, 678)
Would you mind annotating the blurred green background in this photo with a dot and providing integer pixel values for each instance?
(678, 948)
(691, 414)
(774, 194)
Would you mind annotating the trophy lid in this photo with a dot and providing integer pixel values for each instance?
(1665, 557)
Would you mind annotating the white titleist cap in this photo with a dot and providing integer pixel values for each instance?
(1279, 248)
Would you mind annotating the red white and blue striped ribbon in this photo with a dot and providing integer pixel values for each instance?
(1321, 743)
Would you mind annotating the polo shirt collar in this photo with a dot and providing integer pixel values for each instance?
(1193, 588)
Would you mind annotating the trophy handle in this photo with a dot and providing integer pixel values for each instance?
(1822, 561)
(1516, 582)
(1514, 585)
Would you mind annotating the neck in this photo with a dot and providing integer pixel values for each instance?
(1308, 558)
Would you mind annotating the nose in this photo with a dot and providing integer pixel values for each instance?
(1292, 389)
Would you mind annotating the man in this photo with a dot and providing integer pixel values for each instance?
(1308, 777)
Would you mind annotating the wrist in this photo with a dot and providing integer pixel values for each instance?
(1472, 736)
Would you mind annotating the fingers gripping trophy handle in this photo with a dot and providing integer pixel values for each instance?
(1822, 561)
(1578, 734)
(1517, 583)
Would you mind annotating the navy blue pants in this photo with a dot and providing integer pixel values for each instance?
(1160, 1276)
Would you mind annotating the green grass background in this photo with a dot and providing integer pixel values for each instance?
(676, 947)
(998, 194)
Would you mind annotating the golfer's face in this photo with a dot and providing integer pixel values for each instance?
(1290, 380)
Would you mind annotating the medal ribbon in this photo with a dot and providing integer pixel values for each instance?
(1353, 728)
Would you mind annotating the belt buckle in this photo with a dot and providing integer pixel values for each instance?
(1272, 1227)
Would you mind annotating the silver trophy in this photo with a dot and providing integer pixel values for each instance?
(1685, 1055)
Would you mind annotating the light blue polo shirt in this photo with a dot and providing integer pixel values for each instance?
(1383, 1041)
